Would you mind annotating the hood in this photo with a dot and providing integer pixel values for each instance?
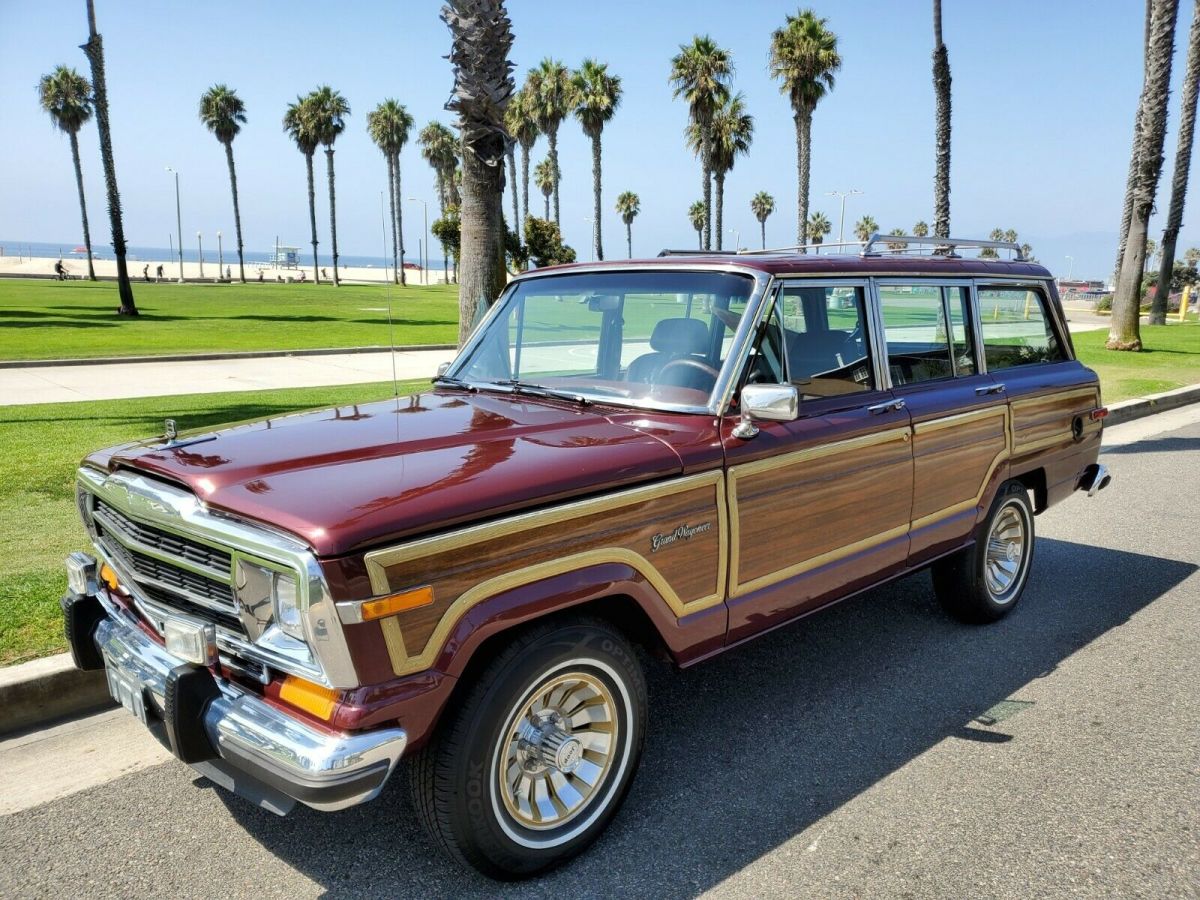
(344, 479)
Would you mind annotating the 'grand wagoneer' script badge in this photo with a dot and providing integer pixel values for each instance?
(684, 532)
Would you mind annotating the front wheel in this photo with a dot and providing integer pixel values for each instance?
(539, 756)
(984, 582)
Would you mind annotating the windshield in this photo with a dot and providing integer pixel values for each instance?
(652, 339)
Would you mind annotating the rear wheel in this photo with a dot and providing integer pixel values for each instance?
(539, 756)
(984, 582)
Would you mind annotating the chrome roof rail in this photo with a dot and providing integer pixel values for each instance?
(793, 248)
(937, 246)
(669, 252)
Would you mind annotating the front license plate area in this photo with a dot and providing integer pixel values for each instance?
(126, 691)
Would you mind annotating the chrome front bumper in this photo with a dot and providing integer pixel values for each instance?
(264, 754)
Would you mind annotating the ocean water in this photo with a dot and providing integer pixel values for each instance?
(45, 250)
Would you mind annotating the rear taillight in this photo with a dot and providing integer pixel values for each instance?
(1098, 414)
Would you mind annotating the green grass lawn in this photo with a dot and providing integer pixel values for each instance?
(42, 319)
(1171, 359)
(41, 447)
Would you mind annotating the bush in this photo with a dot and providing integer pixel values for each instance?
(1104, 304)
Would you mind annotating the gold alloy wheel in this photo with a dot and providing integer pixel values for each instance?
(557, 749)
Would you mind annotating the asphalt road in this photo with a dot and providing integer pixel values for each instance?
(877, 749)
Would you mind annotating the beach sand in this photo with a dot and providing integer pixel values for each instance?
(41, 267)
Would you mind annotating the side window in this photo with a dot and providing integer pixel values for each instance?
(914, 325)
(825, 336)
(765, 365)
(1016, 328)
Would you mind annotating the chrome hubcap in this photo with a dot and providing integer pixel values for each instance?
(1004, 562)
(557, 750)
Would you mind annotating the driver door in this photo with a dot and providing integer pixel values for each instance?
(820, 506)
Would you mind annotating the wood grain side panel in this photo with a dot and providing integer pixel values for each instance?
(954, 458)
(466, 569)
(1040, 422)
(856, 490)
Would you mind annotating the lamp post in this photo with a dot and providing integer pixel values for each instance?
(736, 239)
(1070, 268)
(842, 216)
(178, 223)
(424, 262)
(200, 242)
(220, 259)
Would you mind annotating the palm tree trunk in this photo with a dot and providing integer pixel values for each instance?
(1124, 332)
(1131, 177)
(237, 214)
(706, 171)
(547, 198)
(525, 179)
(762, 224)
(87, 235)
(391, 164)
(511, 153)
(398, 215)
(700, 237)
(941, 142)
(720, 178)
(803, 120)
(312, 215)
(482, 248)
(552, 136)
(598, 244)
(332, 216)
(1183, 158)
(629, 238)
(94, 49)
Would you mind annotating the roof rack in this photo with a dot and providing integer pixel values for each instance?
(939, 246)
(805, 247)
(669, 252)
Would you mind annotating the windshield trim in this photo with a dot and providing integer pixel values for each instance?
(718, 398)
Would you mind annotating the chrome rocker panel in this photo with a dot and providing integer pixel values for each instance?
(266, 756)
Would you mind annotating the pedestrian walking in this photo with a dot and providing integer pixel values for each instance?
(146, 272)
(159, 272)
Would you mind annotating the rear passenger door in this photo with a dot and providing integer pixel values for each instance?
(819, 506)
(959, 414)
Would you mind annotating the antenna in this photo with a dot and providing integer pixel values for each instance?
(391, 327)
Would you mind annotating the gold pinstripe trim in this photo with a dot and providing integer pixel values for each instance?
(960, 419)
(394, 640)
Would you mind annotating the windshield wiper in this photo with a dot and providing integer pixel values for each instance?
(537, 390)
(449, 381)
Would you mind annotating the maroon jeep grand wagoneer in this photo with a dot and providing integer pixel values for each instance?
(679, 453)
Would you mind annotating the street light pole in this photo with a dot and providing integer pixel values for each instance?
(220, 259)
(1071, 268)
(736, 239)
(200, 241)
(425, 262)
(178, 223)
(842, 217)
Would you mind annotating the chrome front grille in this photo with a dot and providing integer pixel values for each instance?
(212, 558)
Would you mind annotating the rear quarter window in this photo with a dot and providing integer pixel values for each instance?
(1017, 328)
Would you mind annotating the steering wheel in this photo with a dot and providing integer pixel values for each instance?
(692, 365)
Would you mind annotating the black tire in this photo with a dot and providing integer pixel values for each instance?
(967, 582)
(455, 778)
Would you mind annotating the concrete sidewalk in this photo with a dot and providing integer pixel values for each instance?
(117, 380)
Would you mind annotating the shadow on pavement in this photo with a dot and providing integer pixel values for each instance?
(750, 749)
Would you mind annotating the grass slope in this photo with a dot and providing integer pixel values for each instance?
(42, 319)
(1171, 359)
(41, 447)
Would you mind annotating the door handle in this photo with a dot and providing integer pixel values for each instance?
(886, 407)
(989, 389)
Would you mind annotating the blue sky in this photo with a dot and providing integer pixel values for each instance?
(1044, 97)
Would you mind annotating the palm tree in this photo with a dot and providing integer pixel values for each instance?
(437, 143)
(330, 110)
(544, 178)
(628, 206)
(223, 113)
(597, 96)
(523, 127)
(1131, 177)
(865, 227)
(1183, 158)
(698, 216)
(389, 124)
(700, 74)
(804, 57)
(552, 97)
(762, 205)
(896, 245)
(94, 50)
(730, 134)
(990, 252)
(818, 226)
(941, 142)
(66, 96)
(1151, 124)
(1191, 256)
(300, 124)
(481, 39)
(921, 229)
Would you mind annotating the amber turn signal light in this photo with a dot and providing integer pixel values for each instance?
(312, 698)
(109, 577)
(396, 603)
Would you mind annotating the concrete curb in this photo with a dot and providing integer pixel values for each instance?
(38, 692)
(35, 693)
(200, 357)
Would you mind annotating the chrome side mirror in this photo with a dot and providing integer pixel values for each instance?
(769, 403)
(442, 369)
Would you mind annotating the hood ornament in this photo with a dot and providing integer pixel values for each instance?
(170, 432)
